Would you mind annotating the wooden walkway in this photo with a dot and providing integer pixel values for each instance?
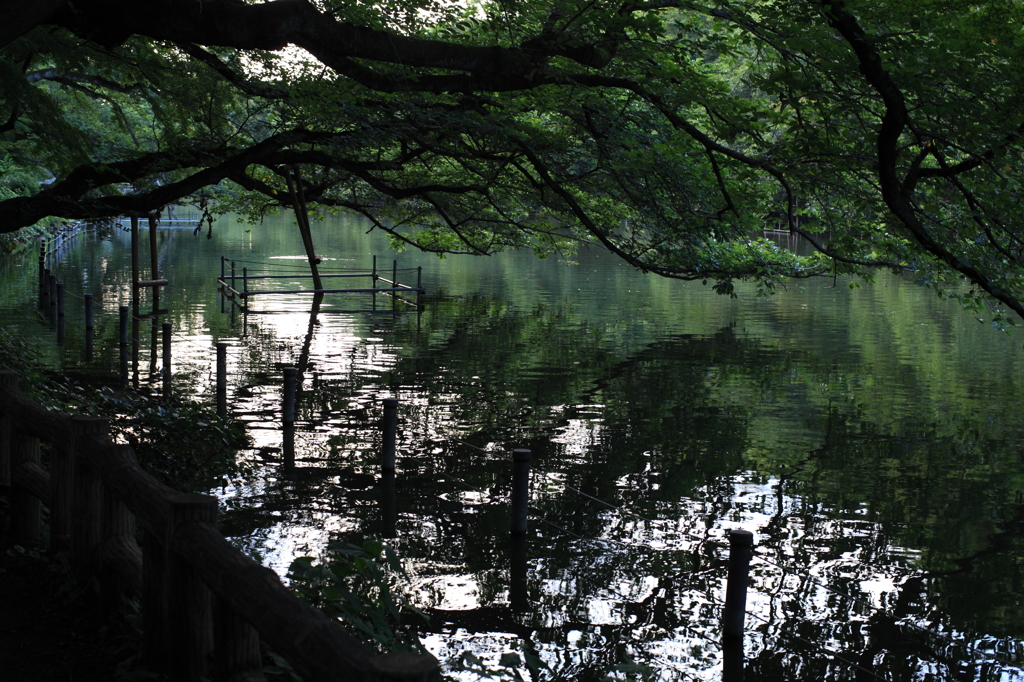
(205, 605)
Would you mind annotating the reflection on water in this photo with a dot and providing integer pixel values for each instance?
(870, 438)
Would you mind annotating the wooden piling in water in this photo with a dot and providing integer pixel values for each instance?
(123, 341)
(288, 417)
(222, 379)
(90, 328)
(44, 293)
(153, 266)
(42, 270)
(741, 548)
(53, 299)
(60, 313)
(389, 424)
(167, 357)
(520, 489)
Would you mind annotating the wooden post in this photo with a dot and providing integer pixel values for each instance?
(236, 646)
(517, 590)
(222, 379)
(26, 508)
(135, 300)
(153, 260)
(222, 259)
(60, 314)
(118, 538)
(390, 428)
(8, 382)
(53, 299)
(233, 279)
(388, 504)
(741, 548)
(155, 558)
(404, 667)
(167, 358)
(245, 288)
(42, 271)
(394, 285)
(374, 276)
(520, 489)
(62, 494)
(419, 286)
(190, 616)
(123, 337)
(44, 293)
(86, 503)
(90, 330)
(732, 659)
(288, 417)
(135, 256)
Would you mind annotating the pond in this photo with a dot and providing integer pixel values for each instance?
(870, 438)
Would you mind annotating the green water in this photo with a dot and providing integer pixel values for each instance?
(871, 439)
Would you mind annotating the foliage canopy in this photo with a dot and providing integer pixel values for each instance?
(887, 133)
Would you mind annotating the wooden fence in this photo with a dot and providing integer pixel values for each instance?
(205, 605)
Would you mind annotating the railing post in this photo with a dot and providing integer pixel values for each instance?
(8, 382)
(222, 379)
(390, 436)
(236, 646)
(118, 539)
(26, 508)
(245, 288)
(520, 489)
(190, 615)
(741, 548)
(87, 503)
(62, 494)
(167, 358)
(394, 285)
(419, 287)
(288, 417)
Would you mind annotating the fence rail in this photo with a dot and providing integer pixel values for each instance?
(205, 605)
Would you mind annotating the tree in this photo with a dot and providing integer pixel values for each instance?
(887, 133)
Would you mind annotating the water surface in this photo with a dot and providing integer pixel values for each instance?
(870, 438)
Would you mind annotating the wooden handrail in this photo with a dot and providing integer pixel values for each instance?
(200, 595)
